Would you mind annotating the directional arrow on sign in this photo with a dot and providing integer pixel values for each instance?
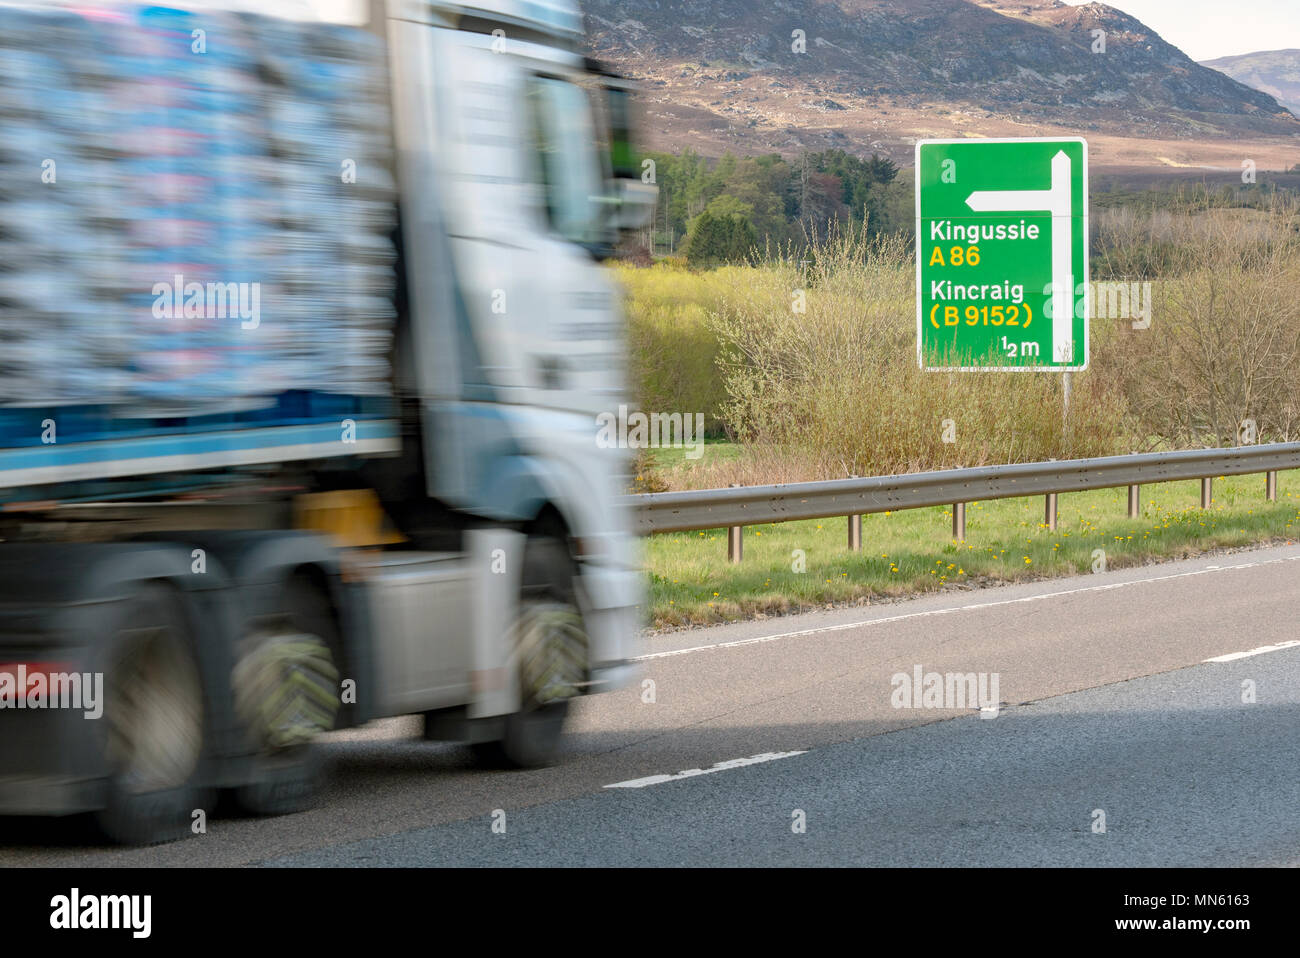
(1055, 201)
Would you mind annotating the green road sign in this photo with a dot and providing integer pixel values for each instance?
(1002, 254)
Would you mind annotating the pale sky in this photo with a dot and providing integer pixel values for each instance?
(1206, 29)
(1203, 29)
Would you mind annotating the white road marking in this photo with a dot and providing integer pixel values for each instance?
(692, 772)
(1233, 656)
(737, 643)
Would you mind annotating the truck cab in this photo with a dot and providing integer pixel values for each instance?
(516, 343)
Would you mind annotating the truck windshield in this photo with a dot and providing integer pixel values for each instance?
(568, 162)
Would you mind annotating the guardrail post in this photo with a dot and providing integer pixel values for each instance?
(855, 527)
(1207, 490)
(1270, 485)
(1134, 501)
(959, 521)
(1049, 511)
(735, 544)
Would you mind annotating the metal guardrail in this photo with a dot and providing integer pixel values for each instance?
(743, 506)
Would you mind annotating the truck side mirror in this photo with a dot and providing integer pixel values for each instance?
(634, 204)
(632, 200)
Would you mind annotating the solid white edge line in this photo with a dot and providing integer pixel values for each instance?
(957, 608)
(1233, 656)
(719, 767)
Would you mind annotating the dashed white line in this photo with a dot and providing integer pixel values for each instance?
(737, 643)
(692, 772)
(1233, 656)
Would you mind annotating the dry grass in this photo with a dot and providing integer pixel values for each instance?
(834, 390)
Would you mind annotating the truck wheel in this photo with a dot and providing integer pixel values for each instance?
(550, 658)
(286, 694)
(154, 723)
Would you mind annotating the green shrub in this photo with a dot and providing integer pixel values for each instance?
(809, 359)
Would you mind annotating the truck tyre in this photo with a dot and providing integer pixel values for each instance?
(550, 658)
(156, 716)
(286, 693)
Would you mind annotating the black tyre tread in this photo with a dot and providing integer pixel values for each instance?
(164, 816)
(532, 736)
(291, 780)
(531, 739)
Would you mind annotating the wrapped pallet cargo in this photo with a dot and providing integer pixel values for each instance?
(197, 211)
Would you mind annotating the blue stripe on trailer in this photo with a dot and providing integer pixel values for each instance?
(24, 426)
(70, 462)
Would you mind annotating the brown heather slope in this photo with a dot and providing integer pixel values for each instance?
(878, 74)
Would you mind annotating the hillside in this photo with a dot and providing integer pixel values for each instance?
(878, 74)
(1275, 72)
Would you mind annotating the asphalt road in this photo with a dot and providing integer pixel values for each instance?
(1110, 715)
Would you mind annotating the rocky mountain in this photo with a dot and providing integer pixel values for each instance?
(1275, 72)
(877, 74)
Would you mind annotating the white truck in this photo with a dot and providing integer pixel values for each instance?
(223, 583)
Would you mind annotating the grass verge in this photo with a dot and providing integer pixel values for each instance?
(912, 552)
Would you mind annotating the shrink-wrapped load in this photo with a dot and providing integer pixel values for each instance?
(196, 210)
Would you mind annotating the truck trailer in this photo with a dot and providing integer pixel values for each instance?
(307, 335)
